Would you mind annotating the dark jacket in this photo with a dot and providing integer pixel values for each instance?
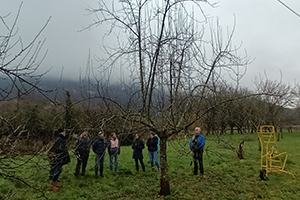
(82, 145)
(58, 154)
(197, 142)
(152, 144)
(138, 146)
(100, 146)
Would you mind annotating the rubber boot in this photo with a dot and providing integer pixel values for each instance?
(96, 172)
(57, 184)
(54, 187)
(101, 170)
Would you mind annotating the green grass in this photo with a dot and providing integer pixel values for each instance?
(226, 177)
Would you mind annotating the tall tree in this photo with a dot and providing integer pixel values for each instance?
(170, 62)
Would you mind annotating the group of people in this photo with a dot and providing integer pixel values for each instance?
(59, 155)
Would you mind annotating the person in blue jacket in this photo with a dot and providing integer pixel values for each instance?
(197, 143)
(99, 147)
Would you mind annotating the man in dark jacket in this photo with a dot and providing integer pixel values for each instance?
(152, 148)
(138, 146)
(59, 156)
(82, 151)
(197, 143)
(99, 148)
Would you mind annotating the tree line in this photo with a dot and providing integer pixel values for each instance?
(231, 110)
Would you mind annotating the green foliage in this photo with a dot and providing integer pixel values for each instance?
(226, 177)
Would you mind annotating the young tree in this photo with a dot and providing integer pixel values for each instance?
(171, 64)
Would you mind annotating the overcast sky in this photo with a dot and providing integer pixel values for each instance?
(268, 31)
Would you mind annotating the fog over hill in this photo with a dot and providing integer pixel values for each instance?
(80, 89)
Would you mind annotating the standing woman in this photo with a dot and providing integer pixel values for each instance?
(152, 148)
(138, 146)
(113, 151)
(82, 151)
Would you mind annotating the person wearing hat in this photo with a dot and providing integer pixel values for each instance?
(152, 148)
(58, 156)
(197, 143)
(99, 147)
(82, 151)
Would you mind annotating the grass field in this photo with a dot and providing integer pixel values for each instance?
(226, 177)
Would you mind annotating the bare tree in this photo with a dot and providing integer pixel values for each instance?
(19, 63)
(171, 64)
(277, 96)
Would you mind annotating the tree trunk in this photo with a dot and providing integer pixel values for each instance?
(240, 152)
(231, 130)
(164, 179)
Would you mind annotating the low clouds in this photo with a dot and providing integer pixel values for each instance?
(269, 32)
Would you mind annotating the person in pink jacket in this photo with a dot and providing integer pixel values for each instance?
(113, 151)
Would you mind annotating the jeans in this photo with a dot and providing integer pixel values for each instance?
(55, 171)
(115, 155)
(153, 157)
(198, 158)
(99, 160)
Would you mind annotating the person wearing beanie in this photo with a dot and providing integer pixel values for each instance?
(138, 146)
(197, 143)
(58, 156)
(82, 151)
(99, 147)
(152, 144)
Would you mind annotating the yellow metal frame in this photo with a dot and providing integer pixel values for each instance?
(271, 159)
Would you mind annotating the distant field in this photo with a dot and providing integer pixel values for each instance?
(226, 177)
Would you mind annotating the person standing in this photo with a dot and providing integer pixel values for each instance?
(113, 151)
(138, 146)
(196, 144)
(82, 151)
(152, 148)
(99, 147)
(58, 156)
